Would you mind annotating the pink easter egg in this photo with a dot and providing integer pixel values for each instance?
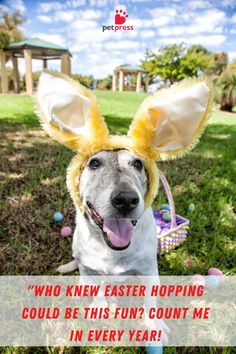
(198, 279)
(66, 231)
(214, 271)
(217, 272)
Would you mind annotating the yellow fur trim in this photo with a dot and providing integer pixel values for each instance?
(113, 143)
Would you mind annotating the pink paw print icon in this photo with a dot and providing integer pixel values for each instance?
(120, 17)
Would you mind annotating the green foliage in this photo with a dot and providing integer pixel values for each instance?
(218, 64)
(4, 39)
(176, 62)
(232, 67)
(198, 48)
(105, 83)
(10, 27)
(226, 90)
(86, 80)
(10, 77)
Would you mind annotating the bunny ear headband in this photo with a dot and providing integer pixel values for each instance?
(166, 125)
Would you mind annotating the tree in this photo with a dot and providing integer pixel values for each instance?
(226, 94)
(105, 84)
(4, 39)
(9, 27)
(232, 67)
(198, 48)
(219, 62)
(176, 62)
(86, 80)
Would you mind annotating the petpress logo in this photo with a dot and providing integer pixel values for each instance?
(120, 19)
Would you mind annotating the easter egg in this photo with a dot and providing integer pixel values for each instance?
(58, 216)
(191, 207)
(212, 281)
(165, 207)
(166, 216)
(154, 350)
(198, 279)
(217, 272)
(66, 231)
(214, 271)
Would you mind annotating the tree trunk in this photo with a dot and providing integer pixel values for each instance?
(226, 107)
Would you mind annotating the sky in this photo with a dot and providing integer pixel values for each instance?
(77, 24)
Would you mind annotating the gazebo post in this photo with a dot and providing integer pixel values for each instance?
(114, 81)
(121, 80)
(65, 64)
(45, 64)
(4, 79)
(139, 79)
(28, 71)
(15, 75)
(146, 82)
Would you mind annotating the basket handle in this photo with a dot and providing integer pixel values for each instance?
(169, 197)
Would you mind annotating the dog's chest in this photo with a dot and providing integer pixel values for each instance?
(90, 250)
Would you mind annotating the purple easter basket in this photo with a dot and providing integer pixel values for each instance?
(172, 233)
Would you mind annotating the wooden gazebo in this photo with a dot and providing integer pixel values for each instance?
(33, 48)
(123, 71)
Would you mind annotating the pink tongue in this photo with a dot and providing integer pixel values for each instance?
(119, 231)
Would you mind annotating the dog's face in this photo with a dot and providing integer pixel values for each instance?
(113, 185)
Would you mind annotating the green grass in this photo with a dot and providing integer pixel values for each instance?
(32, 187)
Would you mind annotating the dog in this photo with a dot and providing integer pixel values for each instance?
(115, 235)
(113, 180)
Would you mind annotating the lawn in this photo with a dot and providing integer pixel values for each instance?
(32, 188)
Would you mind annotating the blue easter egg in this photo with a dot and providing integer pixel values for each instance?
(154, 350)
(212, 281)
(165, 207)
(58, 216)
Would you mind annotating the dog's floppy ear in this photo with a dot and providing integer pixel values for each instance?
(68, 111)
(170, 122)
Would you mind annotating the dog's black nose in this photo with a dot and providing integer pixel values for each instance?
(125, 201)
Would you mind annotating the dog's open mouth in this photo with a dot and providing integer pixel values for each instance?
(117, 232)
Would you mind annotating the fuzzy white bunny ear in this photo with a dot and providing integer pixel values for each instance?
(68, 111)
(170, 122)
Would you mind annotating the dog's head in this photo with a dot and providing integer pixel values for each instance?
(114, 178)
(113, 185)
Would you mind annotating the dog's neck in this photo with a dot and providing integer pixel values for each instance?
(91, 250)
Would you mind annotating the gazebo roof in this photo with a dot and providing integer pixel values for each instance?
(130, 69)
(40, 49)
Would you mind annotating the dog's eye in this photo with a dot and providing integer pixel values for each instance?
(138, 164)
(94, 164)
